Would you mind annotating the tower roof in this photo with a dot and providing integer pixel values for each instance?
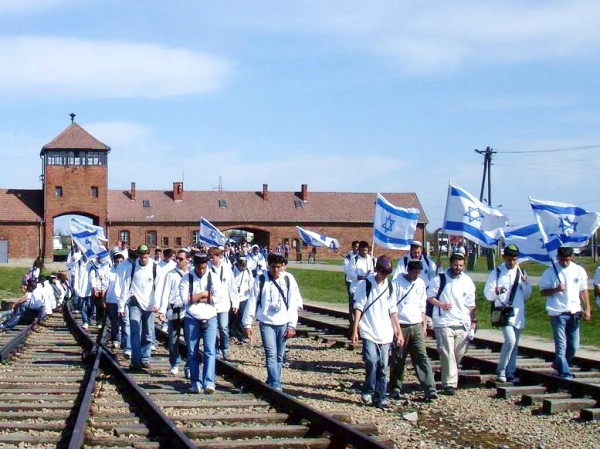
(75, 138)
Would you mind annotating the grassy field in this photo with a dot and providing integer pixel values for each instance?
(329, 286)
(10, 282)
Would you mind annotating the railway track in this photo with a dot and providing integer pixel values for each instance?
(65, 388)
(538, 385)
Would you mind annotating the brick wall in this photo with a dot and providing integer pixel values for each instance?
(23, 241)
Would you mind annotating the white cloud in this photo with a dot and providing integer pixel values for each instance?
(72, 67)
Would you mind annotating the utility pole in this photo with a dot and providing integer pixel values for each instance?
(487, 175)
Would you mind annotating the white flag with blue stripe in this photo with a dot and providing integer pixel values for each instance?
(87, 237)
(470, 218)
(311, 238)
(531, 243)
(570, 224)
(394, 227)
(210, 235)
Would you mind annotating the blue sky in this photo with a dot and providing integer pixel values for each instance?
(341, 95)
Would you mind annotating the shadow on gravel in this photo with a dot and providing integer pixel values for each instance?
(319, 396)
(325, 366)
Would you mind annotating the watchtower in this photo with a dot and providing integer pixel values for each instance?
(74, 179)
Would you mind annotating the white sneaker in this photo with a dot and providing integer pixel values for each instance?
(127, 355)
(174, 370)
(99, 326)
(186, 372)
(366, 399)
(153, 347)
(116, 345)
(209, 390)
(500, 379)
(85, 325)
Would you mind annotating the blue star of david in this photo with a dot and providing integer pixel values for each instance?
(388, 226)
(567, 225)
(88, 241)
(213, 234)
(474, 214)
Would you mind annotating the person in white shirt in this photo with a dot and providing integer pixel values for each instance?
(200, 293)
(564, 286)
(499, 289)
(113, 291)
(416, 253)
(410, 295)
(28, 308)
(243, 281)
(98, 274)
(256, 261)
(223, 274)
(597, 286)
(452, 294)
(360, 266)
(274, 300)
(139, 293)
(376, 319)
(346, 266)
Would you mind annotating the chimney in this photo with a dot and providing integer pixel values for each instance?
(304, 192)
(178, 191)
(132, 191)
(265, 192)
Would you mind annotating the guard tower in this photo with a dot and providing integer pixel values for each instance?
(74, 179)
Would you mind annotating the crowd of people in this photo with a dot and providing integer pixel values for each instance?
(214, 295)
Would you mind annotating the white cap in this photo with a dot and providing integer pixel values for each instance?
(416, 243)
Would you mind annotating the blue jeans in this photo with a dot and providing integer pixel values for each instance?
(223, 319)
(193, 334)
(87, 309)
(140, 322)
(376, 358)
(112, 312)
(566, 341)
(274, 342)
(174, 331)
(507, 364)
(125, 331)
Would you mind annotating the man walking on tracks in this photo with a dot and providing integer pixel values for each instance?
(452, 295)
(565, 288)
(410, 295)
(376, 318)
(274, 300)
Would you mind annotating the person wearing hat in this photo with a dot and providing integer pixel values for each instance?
(416, 253)
(452, 294)
(410, 295)
(376, 320)
(139, 294)
(200, 292)
(256, 261)
(507, 286)
(243, 280)
(564, 286)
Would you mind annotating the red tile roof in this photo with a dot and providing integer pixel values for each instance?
(75, 138)
(321, 207)
(21, 205)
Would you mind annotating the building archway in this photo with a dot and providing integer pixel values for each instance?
(61, 240)
(257, 236)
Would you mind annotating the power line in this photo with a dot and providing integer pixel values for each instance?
(586, 147)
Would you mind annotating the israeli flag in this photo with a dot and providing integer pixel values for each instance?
(531, 243)
(394, 227)
(571, 225)
(87, 237)
(470, 218)
(210, 235)
(313, 239)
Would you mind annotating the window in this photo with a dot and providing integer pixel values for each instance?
(145, 203)
(178, 241)
(151, 238)
(165, 241)
(222, 204)
(195, 237)
(298, 203)
(58, 191)
(124, 236)
(94, 192)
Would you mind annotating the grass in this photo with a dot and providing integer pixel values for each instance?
(327, 286)
(10, 282)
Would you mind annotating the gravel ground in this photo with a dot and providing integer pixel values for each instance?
(327, 378)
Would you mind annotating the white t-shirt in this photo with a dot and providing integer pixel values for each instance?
(574, 278)
(375, 323)
(460, 292)
(411, 299)
(506, 278)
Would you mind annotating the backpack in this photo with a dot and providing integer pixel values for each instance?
(27, 277)
(261, 285)
(153, 274)
(429, 306)
(208, 283)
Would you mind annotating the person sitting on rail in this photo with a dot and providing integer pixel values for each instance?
(274, 300)
(507, 286)
(376, 318)
(410, 294)
(27, 308)
(200, 292)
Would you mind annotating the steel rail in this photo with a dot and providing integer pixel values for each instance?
(15, 343)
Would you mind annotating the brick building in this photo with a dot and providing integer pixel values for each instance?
(74, 178)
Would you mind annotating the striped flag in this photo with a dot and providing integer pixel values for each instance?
(87, 237)
(311, 238)
(470, 218)
(530, 242)
(394, 227)
(210, 235)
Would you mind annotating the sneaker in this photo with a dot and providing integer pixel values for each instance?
(174, 370)
(209, 390)
(153, 347)
(186, 372)
(194, 389)
(396, 394)
(226, 354)
(514, 380)
(146, 365)
(431, 396)
(449, 391)
(116, 345)
(135, 367)
(366, 399)
(99, 326)
(500, 379)
(85, 325)
(127, 355)
(383, 405)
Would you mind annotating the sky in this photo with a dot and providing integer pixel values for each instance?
(360, 96)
